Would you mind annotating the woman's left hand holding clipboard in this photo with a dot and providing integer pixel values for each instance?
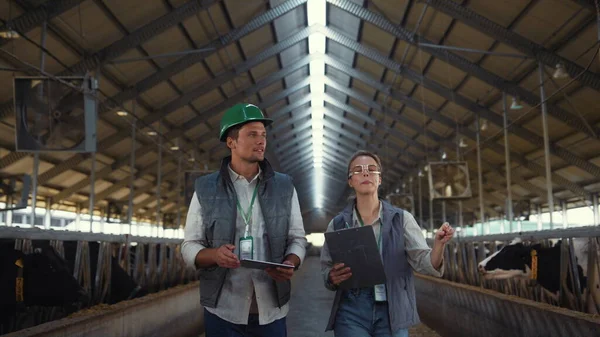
(339, 274)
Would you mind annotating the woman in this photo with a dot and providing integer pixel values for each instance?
(389, 309)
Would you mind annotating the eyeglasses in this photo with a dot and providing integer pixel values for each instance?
(360, 169)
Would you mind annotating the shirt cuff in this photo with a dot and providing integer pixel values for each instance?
(189, 251)
(431, 270)
(328, 284)
(298, 251)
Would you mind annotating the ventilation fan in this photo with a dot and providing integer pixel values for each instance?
(170, 221)
(404, 201)
(449, 180)
(14, 192)
(116, 212)
(55, 114)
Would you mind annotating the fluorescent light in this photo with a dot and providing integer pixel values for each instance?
(317, 15)
(122, 113)
(316, 43)
(316, 12)
(151, 133)
(317, 71)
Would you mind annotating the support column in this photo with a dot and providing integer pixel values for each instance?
(132, 171)
(179, 193)
(595, 209)
(509, 203)
(36, 156)
(539, 214)
(92, 191)
(546, 144)
(480, 176)
(78, 218)
(443, 211)
(158, 179)
(420, 200)
(48, 215)
(9, 214)
(565, 219)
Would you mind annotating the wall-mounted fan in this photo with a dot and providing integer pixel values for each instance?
(449, 180)
(116, 212)
(14, 192)
(55, 114)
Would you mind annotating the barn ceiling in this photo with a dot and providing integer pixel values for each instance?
(409, 80)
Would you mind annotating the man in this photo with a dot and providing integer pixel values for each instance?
(225, 224)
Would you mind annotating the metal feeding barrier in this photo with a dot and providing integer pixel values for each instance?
(154, 264)
(579, 246)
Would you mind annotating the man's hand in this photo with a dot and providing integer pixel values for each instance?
(339, 274)
(282, 274)
(224, 257)
(444, 234)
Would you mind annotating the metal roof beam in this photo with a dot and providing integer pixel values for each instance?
(188, 125)
(510, 38)
(376, 56)
(292, 155)
(296, 141)
(453, 59)
(136, 38)
(35, 17)
(466, 103)
(179, 66)
(517, 177)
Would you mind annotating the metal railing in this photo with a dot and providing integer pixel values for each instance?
(154, 264)
(463, 254)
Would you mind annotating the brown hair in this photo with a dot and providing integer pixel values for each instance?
(365, 153)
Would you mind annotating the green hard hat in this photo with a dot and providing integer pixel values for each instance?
(239, 114)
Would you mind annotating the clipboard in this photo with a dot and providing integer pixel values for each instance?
(256, 264)
(357, 249)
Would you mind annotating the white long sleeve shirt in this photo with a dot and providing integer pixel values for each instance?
(245, 288)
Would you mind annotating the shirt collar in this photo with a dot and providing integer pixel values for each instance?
(234, 176)
(355, 215)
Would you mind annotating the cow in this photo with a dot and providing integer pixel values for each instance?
(40, 278)
(122, 286)
(515, 261)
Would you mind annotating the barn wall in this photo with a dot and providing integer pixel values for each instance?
(458, 310)
(173, 312)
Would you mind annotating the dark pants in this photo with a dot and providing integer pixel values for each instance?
(217, 327)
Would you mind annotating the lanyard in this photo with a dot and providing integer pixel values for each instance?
(360, 220)
(247, 216)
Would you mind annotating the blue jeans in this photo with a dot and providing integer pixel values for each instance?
(360, 316)
(218, 327)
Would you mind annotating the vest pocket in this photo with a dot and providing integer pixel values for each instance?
(400, 300)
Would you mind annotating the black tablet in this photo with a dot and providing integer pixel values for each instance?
(255, 264)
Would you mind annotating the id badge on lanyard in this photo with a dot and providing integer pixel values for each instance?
(246, 243)
(380, 295)
(246, 247)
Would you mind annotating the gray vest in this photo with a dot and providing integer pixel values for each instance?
(217, 198)
(402, 304)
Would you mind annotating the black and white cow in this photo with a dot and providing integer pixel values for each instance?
(515, 260)
(38, 279)
(122, 286)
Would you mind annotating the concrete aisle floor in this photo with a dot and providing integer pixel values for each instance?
(311, 303)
